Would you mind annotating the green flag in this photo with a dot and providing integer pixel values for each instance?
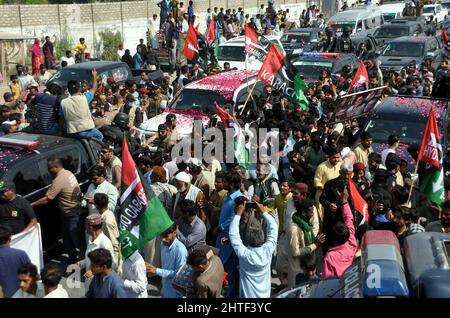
(299, 97)
(432, 185)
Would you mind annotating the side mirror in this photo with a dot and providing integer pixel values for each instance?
(358, 30)
(377, 53)
(163, 104)
(430, 54)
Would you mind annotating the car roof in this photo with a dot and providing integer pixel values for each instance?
(408, 106)
(338, 56)
(353, 14)
(225, 82)
(10, 154)
(93, 64)
(240, 40)
(398, 23)
(418, 39)
(293, 31)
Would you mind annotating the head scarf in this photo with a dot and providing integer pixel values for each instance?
(36, 48)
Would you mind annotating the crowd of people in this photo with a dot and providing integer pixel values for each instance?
(238, 226)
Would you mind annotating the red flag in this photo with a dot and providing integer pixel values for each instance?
(444, 35)
(361, 76)
(250, 39)
(190, 46)
(359, 204)
(429, 149)
(224, 116)
(210, 36)
(271, 65)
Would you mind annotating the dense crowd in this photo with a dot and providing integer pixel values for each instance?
(237, 226)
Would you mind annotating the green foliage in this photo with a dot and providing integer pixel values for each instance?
(64, 42)
(110, 41)
(24, 2)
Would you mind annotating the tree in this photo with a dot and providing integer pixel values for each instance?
(110, 41)
(64, 42)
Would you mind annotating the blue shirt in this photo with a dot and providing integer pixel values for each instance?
(255, 270)
(172, 258)
(148, 177)
(227, 211)
(10, 261)
(109, 286)
(380, 218)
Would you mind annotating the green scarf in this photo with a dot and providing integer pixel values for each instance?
(306, 228)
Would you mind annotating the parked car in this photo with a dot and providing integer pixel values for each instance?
(233, 52)
(392, 10)
(297, 41)
(435, 11)
(396, 29)
(446, 5)
(362, 18)
(118, 71)
(310, 64)
(383, 121)
(400, 52)
(23, 162)
(198, 99)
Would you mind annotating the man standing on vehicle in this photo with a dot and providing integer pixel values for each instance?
(330, 44)
(15, 211)
(66, 190)
(345, 43)
(76, 112)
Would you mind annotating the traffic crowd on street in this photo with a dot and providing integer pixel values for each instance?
(327, 168)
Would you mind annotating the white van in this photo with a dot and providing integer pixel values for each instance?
(392, 11)
(361, 18)
(233, 52)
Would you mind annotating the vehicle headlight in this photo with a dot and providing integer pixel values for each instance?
(297, 51)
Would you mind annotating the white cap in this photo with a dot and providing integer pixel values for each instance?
(183, 176)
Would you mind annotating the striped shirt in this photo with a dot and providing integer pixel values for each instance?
(47, 108)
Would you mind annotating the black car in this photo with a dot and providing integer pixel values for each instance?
(403, 51)
(372, 44)
(23, 162)
(396, 29)
(297, 41)
(310, 64)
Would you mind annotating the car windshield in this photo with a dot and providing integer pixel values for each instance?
(446, 5)
(312, 69)
(388, 17)
(391, 32)
(296, 37)
(428, 10)
(66, 75)
(413, 49)
(232, 53)
(409, 131)
(339, 27)
(197, 99)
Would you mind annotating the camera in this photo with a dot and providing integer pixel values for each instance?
(250, 205)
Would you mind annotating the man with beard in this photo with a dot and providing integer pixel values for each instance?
(364, 149)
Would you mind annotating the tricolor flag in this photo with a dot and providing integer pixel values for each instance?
(224, 116)
(278, 72)
(359, 204)
(142, 216)
(190, 45)
(256, 46)
(432, 182)
(361, 77)
(240, 151)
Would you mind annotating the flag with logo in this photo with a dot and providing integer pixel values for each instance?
(256, 46)
(190, 45)
(361, 77)
(142, 215)
(432, 181)
(278, 72)
(359, 204)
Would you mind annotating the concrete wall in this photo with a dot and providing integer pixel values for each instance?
(86, 20)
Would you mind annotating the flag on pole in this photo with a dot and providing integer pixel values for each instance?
(210, 35)
(240, 151)
(251, 39)
(359, 204)
(224, 116)
(142, 215)
(444, 35)
(361, 77)
(432, 183)
(279, 72)
(190, 45)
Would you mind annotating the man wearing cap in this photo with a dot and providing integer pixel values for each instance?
(15, 211)
(188, 191)
(326, 171)
(199, 179)
(363, 150)
(97, 239)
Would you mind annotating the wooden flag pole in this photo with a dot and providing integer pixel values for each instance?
(413, 181)
(248, 97)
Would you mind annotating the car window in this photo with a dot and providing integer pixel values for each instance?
(197, 99)
(232, 53)
(413, 49)
(28, 179)
(432, 45)
(118, 74)
(70, 160)
(438, 9)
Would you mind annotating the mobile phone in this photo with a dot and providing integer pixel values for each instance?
(250, 205)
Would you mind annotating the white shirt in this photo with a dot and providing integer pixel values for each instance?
(384, 155)
(40, 292)
(135, 276)
(102, 241)
(184, 26)
(106, 188)
(69, 60)
(25, 80)
(180, 81)
(59, 292)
